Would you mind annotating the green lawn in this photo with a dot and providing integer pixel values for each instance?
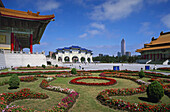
(141, 98)
(159, 71)
(39, 104)
(87, 100)
(93, 81)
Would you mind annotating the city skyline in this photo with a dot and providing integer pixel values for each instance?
(99, 25)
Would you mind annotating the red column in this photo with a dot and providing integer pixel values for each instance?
(17, 45)
(15, 42)
(158, 56)
(20, 48)
(147, 56)
(12, 41)
(151, 56)
(161, 56)
(154, 57)
(31, 37)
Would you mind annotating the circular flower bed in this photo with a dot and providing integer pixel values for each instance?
(111, 81)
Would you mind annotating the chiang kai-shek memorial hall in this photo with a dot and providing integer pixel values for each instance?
(158, 50)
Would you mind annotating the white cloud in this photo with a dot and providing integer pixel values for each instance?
(166, 20)
(98, 26)
(115, 9)
(47, 5)
(105, 49)
(156, 1)
(83, 35)
(93, 29)
(106, 46)
(146, 29)
(94, 32)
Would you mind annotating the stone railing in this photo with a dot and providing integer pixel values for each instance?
(19, 52)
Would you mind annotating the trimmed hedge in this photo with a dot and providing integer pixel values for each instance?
(73, 71)
(141, 74)
(14, 81)
(155, 91)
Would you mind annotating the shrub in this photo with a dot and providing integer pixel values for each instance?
(141, 74)
(14, 81)
(28, 65)
(73, 71)
(155, 91)
(43, 66)
(56, 65)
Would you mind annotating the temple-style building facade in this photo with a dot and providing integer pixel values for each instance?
(19, 30)
(158, 49)
(74, 54)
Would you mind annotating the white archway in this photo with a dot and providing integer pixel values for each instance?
(59, 59)
(74, 54)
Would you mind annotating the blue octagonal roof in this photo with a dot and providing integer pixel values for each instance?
(60, 49)
(83, 49)
(66, 48)
(89, 51)
(75, 47)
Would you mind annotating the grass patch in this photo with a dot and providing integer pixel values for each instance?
(159, 71)
(141, 98)
(87, 100)
(93, 81)
(38, 104)
(145, 79)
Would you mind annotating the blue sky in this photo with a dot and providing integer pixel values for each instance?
(98, 25)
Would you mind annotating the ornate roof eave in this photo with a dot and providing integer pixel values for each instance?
(41, 32)
(1, 4)
(164, 38)
(138, 50)
(153, 48)
(29, 16)
(24, 15)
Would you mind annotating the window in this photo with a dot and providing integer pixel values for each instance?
(2, 39)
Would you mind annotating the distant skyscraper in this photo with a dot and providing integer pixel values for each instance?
(123, 47)
(128, 53)
(119, 54)
(100, 55)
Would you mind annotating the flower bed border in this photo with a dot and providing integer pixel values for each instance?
(28, 78)
(111, 81)
(25, 93)
(64, 105)
(73, 95)
(104, 98)
(107, 102)
(3, 74)
(164, 68)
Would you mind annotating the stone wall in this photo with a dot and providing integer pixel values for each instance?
(2, 61)
(17, 59)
